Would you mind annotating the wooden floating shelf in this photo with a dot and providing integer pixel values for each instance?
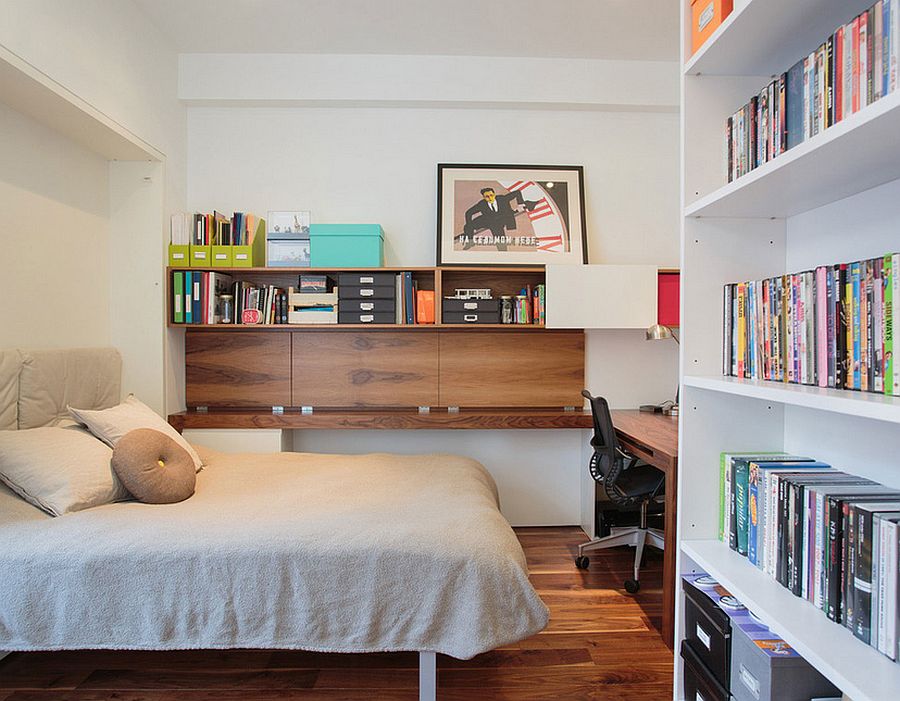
(391, 269)
(383, 419)
(356, 327)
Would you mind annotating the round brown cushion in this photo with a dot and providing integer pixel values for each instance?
(153, 467)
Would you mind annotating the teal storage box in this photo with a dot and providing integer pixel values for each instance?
(346, 246)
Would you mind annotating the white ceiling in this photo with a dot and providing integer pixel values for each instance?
(602, 29)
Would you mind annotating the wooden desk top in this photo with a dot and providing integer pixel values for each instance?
(657, 432)
(384, 419)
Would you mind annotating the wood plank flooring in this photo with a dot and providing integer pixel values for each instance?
(601, 644)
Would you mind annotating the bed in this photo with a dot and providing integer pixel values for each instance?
(333, 553)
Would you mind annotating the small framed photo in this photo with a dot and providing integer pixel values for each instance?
(288, 223)
(510, 215)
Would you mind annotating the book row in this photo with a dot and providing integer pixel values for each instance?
(854, 67)
(213, 229)
(829, 537)
(213, 298)
(209, 297)
(831, 327)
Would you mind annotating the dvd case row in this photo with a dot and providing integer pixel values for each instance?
(854, 67)
(829, 537)
(831, 327)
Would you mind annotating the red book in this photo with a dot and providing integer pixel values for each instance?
(855, 82)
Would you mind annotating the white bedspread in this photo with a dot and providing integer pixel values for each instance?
(319, 552)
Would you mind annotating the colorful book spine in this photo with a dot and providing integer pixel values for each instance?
(855, 309)
(821, 346)
(887, 280)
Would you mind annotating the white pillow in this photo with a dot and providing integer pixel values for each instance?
(59, 469)
(109, 425)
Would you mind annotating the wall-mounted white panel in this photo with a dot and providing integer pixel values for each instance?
(240, 440)
(601, 296)
(538, 473)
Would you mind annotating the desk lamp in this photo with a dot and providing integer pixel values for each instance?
(659, 332)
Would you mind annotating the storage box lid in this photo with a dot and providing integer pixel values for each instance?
(286, 236)
(741, 618)
(346, 230)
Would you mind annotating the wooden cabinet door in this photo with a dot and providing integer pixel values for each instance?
(365, 368)
(512, 368)
(237, 368)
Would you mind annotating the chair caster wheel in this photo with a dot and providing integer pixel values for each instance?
(632, 586)
(582, 562)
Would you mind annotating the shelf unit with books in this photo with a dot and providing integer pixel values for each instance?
(502, 281)
(835, 197)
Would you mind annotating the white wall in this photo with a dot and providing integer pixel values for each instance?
(109, 54)
(379, 165)
(54, 196)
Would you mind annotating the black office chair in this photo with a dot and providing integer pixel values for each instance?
(627, 482)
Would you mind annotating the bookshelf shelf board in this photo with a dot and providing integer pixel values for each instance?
(356, 327)
(857, 669)
(868, 405)
(766, 37)
(857, 154)
(393, 269)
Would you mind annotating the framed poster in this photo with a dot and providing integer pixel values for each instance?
(510, 215)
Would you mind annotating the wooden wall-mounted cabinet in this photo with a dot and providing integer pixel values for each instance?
(383, 369)
(514, 370)
(237, 369)
(403, 366)
(364, 369)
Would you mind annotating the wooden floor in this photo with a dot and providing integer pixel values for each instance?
(600, 644)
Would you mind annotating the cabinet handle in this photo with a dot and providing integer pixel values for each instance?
(470, 317)
(366, 318)
(470, 305)
(366, 306)
(366, 280)
(366, 293)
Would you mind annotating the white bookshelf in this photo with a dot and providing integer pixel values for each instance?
(835, 198)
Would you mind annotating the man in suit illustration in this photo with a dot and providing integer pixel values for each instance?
(494, 212)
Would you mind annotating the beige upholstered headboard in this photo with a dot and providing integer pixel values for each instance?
(36, 386)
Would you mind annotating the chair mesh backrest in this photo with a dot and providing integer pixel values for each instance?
(607, 458)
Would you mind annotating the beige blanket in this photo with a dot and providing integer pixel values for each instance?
(318, 552)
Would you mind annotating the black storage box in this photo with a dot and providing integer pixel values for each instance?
(366, 305)
(707, 631)
(366, 317)
(366, 292)
(451, 304)
(470, 311)
(366, 279)
(471, 317)
(699, 683)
